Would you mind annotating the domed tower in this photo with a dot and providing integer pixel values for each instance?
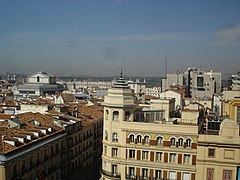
(119, 107)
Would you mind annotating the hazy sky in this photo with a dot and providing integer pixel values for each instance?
(99, 37)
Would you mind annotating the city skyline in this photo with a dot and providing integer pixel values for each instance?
(98, 38)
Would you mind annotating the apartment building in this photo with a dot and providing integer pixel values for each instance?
(154, 91)
(197, 83)
(31, 147)
(173, 80)
(83, 139)
(141, 144)
(138, 88)
(235, 82)
(51, 146)
(218, 155)
(231, 109)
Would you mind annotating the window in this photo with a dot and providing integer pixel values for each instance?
(114, 137)
(172, 157)
(56, 147)
(210, 173)
(186, 159)
(238, 115)
(115, 115)
(172, 142)
(172, 175)
(131, 172)
(106, 135)
(45, 153)
(38, 158)
(51, 151)
(200, 81)
(158, 174)
(186, 176)
(180, 142)
(139, 139)
(131, 138)
(144, 173)
(146, 139)
(31, 162)
(107, 114)
(14, 169)
(158, 156)
(145, 155)
(114, 152)
(139, 117)
(188, 142)
(227, 175)
(114, 170)
(159, 140)
(105, 149)
(38, 79)
(211, 152)
(127, 115)
(23, 165)
(104, 164)
(131, 153)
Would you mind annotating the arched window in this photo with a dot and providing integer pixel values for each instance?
(159, 140)
(106, 135)
(139, 139)
(127, 115)
(188, 143)
(115, 115)
(172, 142)
(131, 138)
(106, 115)
(114, 137)
(180, 142)
(146, 139)
(38, 79)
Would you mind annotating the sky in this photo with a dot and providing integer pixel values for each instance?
(99, 37)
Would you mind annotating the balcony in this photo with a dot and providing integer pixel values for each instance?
(130, 176)
(111, 175)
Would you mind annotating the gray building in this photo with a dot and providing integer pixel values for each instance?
(38, 84)
(196, 82)
(235, 82)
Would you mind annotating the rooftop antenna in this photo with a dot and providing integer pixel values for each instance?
(121, 73)
(165, 77)
(211, 63)
(165, 67)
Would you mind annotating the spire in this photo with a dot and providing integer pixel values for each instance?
(120, 83)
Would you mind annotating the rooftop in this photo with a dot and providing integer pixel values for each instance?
(29, 124)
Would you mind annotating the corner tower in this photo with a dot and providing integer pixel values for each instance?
(119, 106)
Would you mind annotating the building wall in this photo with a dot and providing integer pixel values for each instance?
(229, 95)
(211, 82)
(154, 91)
(42, 79)
(176, 79)
(123, 146)
(172, 94)
(118, 147)
(37, 163)
(168, 105)
(139, 89)
(219, 155)
(231, 109)
(190, 116)
(33, 108)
